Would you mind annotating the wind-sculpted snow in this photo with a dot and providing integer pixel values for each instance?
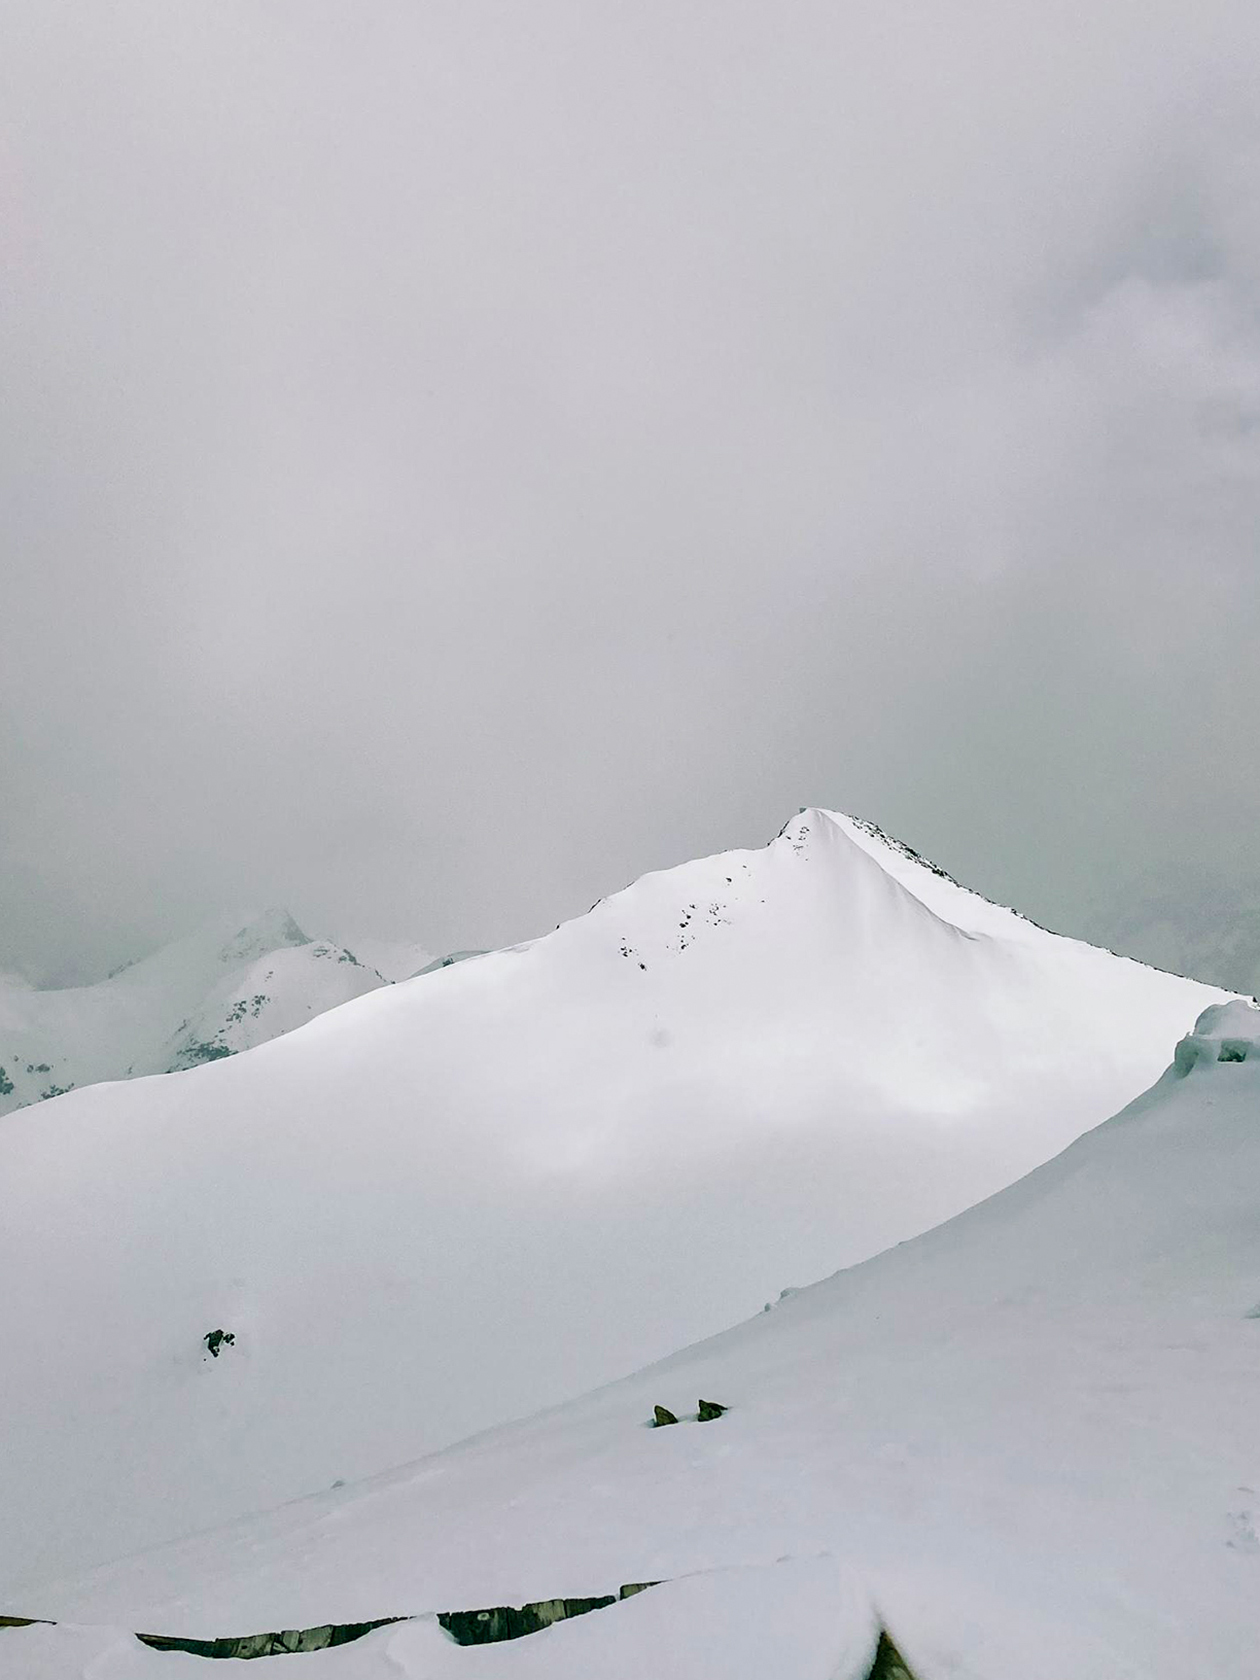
(1225, 1032)
(1024, 1442)
(455, 1200)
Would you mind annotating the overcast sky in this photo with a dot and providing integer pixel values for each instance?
(460, 454)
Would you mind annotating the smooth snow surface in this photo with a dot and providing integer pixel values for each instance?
(1026, 1441)
(457, 1199)
(231, 986)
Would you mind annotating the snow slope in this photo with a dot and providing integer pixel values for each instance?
(1025, 1442)
(235, 984)
(454, 1200)
(393, 959)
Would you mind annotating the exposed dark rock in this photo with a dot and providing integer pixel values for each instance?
(889, 1663)
(284, 1643)
(447, 961)
(194, 1054)
(661, 1415)
(466, 1627)
(709, 1409)
(505, 1621)
(632, 1587)
(215, 1339)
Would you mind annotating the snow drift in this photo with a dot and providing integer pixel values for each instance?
(455, 1200)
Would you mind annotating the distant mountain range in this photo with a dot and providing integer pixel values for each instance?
(229, 987)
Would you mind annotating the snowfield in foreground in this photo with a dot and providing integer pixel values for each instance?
(1025, 1442)
(455, 1200)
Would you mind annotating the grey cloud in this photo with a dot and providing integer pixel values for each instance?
(457, 457)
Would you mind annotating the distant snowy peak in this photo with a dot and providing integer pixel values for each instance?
(260, 1000)
(236, 983)
(226, 941)
(274, 930)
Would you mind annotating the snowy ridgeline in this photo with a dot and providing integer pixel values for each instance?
(1024, 1443)
(226, 989)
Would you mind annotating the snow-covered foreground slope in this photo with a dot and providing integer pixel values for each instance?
(454, 1200)
(225, 989)
(1025, 1442)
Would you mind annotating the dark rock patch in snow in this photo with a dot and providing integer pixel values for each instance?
(889, 1663)
(285, 1643)
(505, 1621)
(706, 1411)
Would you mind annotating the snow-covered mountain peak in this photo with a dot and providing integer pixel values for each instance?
(463, 1197)
(839, 872)
(232, 984)
(272, 930)
(814, 884)
(222, 941)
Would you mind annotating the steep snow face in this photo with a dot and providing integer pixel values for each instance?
(1026, 1440)
(231, 986)
(457, 1199)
